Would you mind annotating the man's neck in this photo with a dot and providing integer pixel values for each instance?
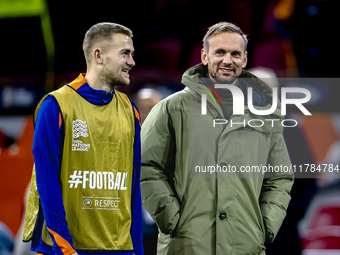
(96, 83)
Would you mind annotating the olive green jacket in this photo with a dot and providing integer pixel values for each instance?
(191, 179)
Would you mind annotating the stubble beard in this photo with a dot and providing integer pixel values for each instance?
(221, 80)
(113, 79)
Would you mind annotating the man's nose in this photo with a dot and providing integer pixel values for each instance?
(131, 62)
(227, 59)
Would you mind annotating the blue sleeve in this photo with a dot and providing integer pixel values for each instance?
(47, 151)
(136, 199)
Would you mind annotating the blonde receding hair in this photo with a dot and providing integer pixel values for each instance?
(102, 32)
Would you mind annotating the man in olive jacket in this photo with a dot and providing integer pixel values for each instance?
(199, 180)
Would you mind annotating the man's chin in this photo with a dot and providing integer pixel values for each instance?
(123, 82)
(225, 80)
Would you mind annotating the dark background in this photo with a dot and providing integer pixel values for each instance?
(157, 25)
(167, 39)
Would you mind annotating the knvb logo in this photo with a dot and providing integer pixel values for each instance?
(238, 99)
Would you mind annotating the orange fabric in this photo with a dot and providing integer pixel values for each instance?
(137, 115)
(60, 120)
(39, 253)
(78, 82)
(62, 243)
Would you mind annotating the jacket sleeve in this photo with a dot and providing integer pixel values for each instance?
(275, 194)
(158, 156)
(47, 150)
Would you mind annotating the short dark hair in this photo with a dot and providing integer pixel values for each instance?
(220, 28)
(102, 32)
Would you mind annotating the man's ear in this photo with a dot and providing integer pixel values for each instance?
(204, 57)
(97, 56)
(245, 59)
